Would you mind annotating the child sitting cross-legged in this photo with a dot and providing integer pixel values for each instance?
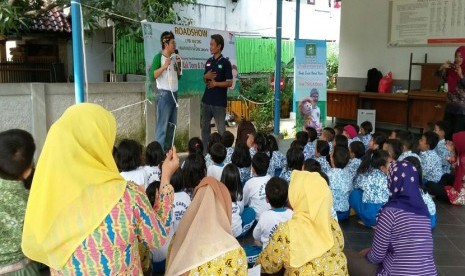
(254, 188)
(429, 159)
(276, 194)
(321, 151)
(218, 154)
(340, 182)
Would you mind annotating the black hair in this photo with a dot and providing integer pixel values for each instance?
(331, 133)
(358, 148)
(228, 139)
(302, 137)
(165, 38)
(357, 128)
(193, 171)
(444, 126)
(177, 181)
(322, 147)
(311, 165)
(128, 155)
(432, 139)
(17, 149)
(429, 126)
(297, 144)
(260, 163)
(373, 159)
(272, 144)
(218, 153)
(154, 154)
(338, 129)
(219, 40)
(295, 158)
(395, 148)
(379, 138)
(341, 156)
(241, 156)
(151, 191)
(231, 178)
(213, 139)
(276, 190)
(312, 134)
(367, 127)
(417, 164)
(405, 138)
(195, 145)
(341, 140)
(260, 141)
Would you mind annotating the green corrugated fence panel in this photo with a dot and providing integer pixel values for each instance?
(253, 54)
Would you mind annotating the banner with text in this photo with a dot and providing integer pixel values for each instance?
(310, 84)
(193, 45)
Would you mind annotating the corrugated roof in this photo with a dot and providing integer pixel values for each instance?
(51, 21)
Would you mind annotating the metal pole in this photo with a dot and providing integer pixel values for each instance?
(277, 79)
(77, 50)
(297, 19)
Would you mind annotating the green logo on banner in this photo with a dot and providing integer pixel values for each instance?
(310, 50)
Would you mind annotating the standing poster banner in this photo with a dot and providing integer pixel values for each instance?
(193, 45)
(310, 84)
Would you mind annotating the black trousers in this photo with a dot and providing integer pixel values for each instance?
(456, 122)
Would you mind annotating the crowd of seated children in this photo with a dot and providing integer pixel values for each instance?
(254, 188)
(366, 128)
(321, 151)
(154, 155)
(228, 141)
(128, 159)
(217, 155)
(370, 186)
(295, 161)
(241, 158)
(309, 149)
(356, 151)
(242, 218)
(276, 195)
(340, 182)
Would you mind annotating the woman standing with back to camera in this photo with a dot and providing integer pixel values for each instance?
(453, 74)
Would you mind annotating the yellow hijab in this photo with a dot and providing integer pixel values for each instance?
(310, 233)
(75, 185)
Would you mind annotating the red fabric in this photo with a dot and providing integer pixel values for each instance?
(385, 84)
(459, 144)
(452, 76)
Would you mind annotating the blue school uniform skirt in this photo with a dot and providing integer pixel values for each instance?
(367, 212)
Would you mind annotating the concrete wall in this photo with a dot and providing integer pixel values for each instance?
(259, 17)
(362, 47)
(36, 106)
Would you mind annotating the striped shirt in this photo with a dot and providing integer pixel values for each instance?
(403, 244)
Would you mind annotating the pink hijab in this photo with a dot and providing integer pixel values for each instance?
(452, 76)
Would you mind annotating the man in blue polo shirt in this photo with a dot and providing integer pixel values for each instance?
(218, 77)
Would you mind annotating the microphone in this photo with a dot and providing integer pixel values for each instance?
(178, 60)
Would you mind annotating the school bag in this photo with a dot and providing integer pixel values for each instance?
(373, 78)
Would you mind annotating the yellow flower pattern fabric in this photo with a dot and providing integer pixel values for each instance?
(276, 255)
(232, 263)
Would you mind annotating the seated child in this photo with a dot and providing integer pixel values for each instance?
(16, 159)
(154, 155)
(341, 140)
(406, 139)
(277, 159)
(377, 141)
(217, 154)
(193, 172)
(228, 141)
(321, 151)
(365, 133)
(424, 194)
(328, 135)
(129, 161)
(213, 139)
(393, 134)
(393, 147)
(441, 128)
(242, 219)
(371, 190)
(276, 194)
(241, 158)
(351, 133)
(309, 149)
(357, 151)
(180, 204)
(340, 182)
(254, 188)
(295, 161)
(301, 137)
(430, 161)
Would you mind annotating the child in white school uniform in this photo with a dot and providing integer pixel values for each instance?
(218, 154)
(276, 194)
(128, 159)
(154, 155)
(254, 189)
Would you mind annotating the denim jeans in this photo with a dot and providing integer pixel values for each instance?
(209, 112)
(166, 112)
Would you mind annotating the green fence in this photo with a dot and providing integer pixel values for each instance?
(253, 55)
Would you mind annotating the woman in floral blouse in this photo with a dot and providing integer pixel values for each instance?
(82, 217)
(311, 243)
